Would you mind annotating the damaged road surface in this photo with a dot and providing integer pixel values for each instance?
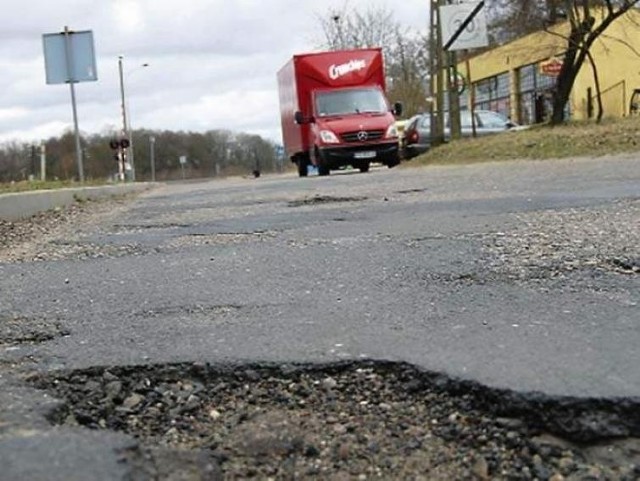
(467, 322)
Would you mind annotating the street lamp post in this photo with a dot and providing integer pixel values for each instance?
(336, 19)
(123, 105)
(126, 125)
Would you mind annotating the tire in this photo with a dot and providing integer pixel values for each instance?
(364, 167)
(302, 168)
(323, 170)
(392, 163)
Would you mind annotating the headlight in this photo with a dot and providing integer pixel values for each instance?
(329, 137)
(392, 131)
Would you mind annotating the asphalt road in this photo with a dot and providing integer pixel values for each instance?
(393, 264)
(276, 270)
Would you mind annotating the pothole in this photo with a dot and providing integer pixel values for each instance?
(324, 199)
(194, 310)
(626, 266)
(79, 250)
(411, 191)
(220, 239)
(367, 420)
(554, 244)
(25, 330)
(133, 228)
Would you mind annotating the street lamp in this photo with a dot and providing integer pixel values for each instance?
(126, 126)
(336, 19)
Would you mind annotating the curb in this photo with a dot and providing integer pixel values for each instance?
(21, 205)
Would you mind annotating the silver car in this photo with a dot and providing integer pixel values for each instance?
(417, 137)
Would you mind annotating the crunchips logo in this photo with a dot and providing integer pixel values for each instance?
(337, 71)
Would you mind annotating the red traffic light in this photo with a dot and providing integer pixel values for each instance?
(116, 144)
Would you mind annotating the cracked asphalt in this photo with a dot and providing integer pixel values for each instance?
(520, 276)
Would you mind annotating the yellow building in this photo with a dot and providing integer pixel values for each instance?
(517, 78)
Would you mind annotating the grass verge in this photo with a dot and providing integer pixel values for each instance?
(27, 185)
(575, 139)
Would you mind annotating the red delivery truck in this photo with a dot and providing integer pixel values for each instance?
(334, 111)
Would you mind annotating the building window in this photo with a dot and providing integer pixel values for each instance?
(492, 93)
(535, 95)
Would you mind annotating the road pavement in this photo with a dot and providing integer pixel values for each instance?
(517, 275)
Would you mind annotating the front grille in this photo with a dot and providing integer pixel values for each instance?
(356, 136)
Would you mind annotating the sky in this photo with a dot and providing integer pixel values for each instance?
(211, 64)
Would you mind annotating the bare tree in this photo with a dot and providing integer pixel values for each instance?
(584, 30)
(509, 19)
(587, 20)
(407, 71)
(406, 52)
(347, 28)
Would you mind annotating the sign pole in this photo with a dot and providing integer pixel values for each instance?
(472, 96)
(43, 163)
(454, 97)
(71, 80)
(440, 80)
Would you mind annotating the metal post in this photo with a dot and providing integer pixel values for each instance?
(152, 149)
(131, 151)
(454, 97)
(433, 25)
(472, 95)
(124, 110)
(71, 80)
(439, 134)
(43, 163)
(336, 19)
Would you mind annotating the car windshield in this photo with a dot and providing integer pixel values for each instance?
(492, 119)
(351, 101)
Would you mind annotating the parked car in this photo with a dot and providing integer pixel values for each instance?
(417, 133)
(417, 137)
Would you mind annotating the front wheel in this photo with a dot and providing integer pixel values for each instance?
(393, 163)
(322, 170)
(364, 167)
(302, 168)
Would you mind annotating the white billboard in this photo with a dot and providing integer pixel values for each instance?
(474, 35)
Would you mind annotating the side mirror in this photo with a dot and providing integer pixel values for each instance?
(397, 109)
(300, 119)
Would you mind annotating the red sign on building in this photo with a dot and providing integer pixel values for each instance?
(551, 67)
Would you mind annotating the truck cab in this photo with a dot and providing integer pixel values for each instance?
(352, 126)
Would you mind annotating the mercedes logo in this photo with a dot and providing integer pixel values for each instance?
(362, 136)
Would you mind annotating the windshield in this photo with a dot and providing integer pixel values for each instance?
(352, 101)
(492, 119)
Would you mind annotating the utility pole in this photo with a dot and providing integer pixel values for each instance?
(454, 96)
(437, 72)
(124, 111)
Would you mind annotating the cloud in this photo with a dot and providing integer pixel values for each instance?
(212, 63)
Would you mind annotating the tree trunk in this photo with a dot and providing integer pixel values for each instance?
(596, 80)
